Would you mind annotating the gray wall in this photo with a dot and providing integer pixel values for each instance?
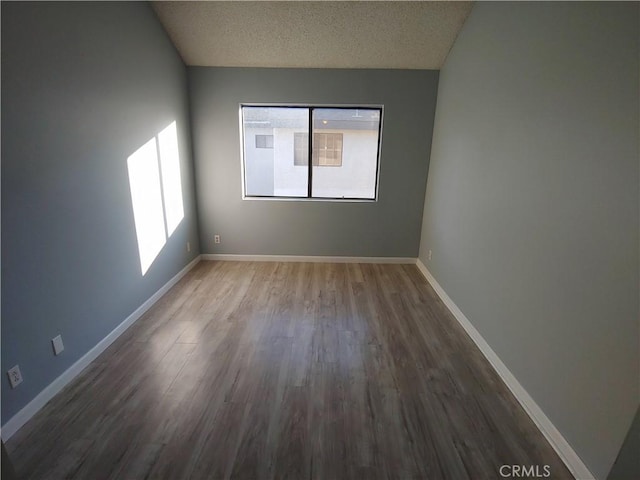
(627, 465)
(83, 86)
(531, 209)
(389, 227)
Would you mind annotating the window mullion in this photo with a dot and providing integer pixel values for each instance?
(310, 156)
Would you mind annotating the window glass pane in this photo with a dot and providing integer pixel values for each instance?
(345, 152)
(275, 166)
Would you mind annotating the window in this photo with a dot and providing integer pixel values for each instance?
(327, 149)
(343, 143)
(264, 141)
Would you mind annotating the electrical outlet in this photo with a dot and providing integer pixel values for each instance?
(188, 246)
(15, 377)
(429, 254)
(216, 239)
(58, 346)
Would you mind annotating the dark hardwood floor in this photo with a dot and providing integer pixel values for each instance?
(286, 370)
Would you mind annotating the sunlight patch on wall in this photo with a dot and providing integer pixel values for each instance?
(171, 182)
(156, 193)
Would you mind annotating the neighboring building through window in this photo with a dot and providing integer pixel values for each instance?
(276, 149)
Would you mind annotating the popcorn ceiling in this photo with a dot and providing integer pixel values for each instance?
(317, 34)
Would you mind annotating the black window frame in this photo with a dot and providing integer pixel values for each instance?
(310, 108)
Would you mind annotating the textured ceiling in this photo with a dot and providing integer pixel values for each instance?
(313, 34)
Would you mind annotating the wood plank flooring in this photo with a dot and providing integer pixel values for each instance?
(252, 370)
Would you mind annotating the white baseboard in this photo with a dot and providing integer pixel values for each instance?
(31, 408)
(551, 433)
(306, 258)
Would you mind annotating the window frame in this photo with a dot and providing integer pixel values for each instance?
(310, 108)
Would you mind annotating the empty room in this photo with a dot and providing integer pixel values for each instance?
(320, 240)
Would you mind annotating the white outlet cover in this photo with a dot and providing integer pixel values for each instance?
(58, 346)
(15, 377)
